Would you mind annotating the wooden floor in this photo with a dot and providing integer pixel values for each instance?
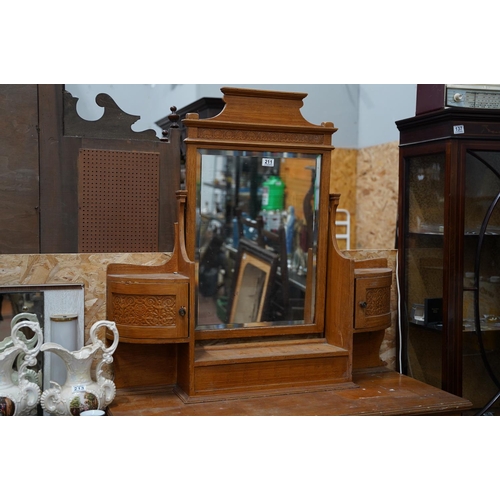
(378, 393)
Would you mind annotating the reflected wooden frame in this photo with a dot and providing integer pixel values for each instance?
(255, 272)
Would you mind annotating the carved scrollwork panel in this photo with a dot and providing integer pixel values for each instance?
(144, 310)
(259, 136)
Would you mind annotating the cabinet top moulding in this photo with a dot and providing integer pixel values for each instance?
(440, 125)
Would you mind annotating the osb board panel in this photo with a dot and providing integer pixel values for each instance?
(298, 181)
(89, 269)
(343, 182)
(388, 348)
(343, 177)
(377, 196)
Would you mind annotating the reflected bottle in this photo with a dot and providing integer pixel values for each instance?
(290, 222)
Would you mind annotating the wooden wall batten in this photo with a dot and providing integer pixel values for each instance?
(58, 185)
(19, 197)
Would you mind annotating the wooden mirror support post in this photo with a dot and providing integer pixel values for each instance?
(359, 302)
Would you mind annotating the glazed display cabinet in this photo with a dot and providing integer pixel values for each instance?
(449, 251)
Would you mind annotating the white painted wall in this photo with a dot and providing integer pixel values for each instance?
(150, 102)
(364, 114)
(324, 103)
(380, 106)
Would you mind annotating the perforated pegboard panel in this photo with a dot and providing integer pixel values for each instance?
(118, 201)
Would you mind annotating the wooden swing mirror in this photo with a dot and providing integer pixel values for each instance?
(260, 174)
(256, 296)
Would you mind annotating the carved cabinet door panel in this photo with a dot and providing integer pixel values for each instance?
(149, 312)
(372, 299)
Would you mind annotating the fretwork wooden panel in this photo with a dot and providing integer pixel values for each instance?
(118, 195)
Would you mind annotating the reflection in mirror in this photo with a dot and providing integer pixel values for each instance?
(270, 200)
(20, 306)
(255, 271)
(45, 301)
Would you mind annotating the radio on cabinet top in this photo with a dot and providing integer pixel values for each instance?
(479, 96)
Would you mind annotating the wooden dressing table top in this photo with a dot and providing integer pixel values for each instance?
(380, 392)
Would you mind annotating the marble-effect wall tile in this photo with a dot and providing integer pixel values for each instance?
(88, 269)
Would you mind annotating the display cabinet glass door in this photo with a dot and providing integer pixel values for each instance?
(424, 242)
(481, 285)
(452, 309)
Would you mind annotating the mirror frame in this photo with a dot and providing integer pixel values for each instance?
(260, 121)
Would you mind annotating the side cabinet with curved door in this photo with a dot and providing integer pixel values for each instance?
(150, 306)
(359, 302)
(149, 309)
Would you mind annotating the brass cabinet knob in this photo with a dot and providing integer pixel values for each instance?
(363, 304)
(182, 311)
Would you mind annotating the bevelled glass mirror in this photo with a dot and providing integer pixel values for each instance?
(20, 305)
(257, 220)
(256, 237)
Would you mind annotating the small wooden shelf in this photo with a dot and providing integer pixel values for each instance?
(267, 351)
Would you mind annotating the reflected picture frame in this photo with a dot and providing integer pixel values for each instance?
(254, 275)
